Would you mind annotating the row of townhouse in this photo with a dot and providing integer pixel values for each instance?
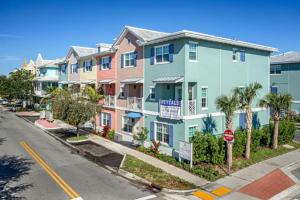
(167, 82)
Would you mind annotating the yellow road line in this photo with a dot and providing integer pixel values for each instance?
(71, 193)
(203, 195)
(221, 191)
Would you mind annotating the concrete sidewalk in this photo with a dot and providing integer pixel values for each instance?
(175, 171)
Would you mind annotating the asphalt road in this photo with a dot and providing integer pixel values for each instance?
(23, 176)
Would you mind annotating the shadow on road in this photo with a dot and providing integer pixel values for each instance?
(12, 168)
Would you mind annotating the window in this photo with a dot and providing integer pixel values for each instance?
(105, 119)
(162, 133)
(129, 59)
(162, 54)
(275, 69)
(73, 68)
(128, 40)
(152, 93)
(122, 93)
(193, 51)
(128, 124)
(63, 69)
(192, 131)
(105, 63)
(234, 54)
(242, 56)
(274, 90)
(87, 66)
(204, 98)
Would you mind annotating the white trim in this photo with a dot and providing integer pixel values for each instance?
(101, 65)
(128, 52)
(204, 108)
(155, 130)
(196, 43)
(150, 98)
(161, 46)
(295, 101)
(147, 197)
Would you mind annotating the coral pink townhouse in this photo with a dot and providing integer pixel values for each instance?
(130, 78)
(106, 78)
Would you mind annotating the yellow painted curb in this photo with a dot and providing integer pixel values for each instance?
(203, 195)
(221, 191)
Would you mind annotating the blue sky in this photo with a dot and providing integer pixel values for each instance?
(52, 26)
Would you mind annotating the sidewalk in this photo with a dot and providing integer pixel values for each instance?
(175, 171)
(264, 180)
(45, 125)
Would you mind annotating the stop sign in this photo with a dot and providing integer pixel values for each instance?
(228, 135)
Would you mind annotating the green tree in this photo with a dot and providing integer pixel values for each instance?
(142, 135)
(277, 103)
(228, 104)
(246, 96)
(91, 95)
(79, 112)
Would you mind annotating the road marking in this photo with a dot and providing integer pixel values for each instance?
(203, 195)
(221, 191)
(147, 197)
(70, 192)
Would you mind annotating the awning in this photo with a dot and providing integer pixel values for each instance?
(46, 79)
(107, 81)
(169, 79)
(88, 82)
(134, 115)
(74, 82)
(63, 82)
(133, 80)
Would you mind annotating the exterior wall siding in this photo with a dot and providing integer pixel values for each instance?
(288, 82)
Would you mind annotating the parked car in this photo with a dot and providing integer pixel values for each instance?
(3, 102)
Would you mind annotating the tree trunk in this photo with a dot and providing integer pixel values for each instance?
(229, 125)
(249, 129)
(77, 131)
(275, 134)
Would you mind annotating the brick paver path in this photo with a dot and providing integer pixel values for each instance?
(269, 185)
(46, 125)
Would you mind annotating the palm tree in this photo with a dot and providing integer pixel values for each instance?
(228, 104)
(90, 94)
(277, 103)
(246, 96)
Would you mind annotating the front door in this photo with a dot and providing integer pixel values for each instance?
(178, 93)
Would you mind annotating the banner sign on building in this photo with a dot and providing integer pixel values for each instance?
(170, 109)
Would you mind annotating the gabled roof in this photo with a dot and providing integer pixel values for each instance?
(288, 57)
(82, 51)
(207, 37)
(143, 35)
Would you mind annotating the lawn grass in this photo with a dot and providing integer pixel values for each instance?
(154, 175)
(262, 154)
(81, 137)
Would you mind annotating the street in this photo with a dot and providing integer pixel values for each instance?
(36, 166)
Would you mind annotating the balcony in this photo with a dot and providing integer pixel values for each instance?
(40, 93)
(109, 101)
(134, 103)
(192, 107)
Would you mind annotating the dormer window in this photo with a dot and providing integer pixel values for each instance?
(128, 40)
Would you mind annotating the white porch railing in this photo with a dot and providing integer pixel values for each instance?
(109, 101)
(192, 107)
(134, 103)
(40, 93)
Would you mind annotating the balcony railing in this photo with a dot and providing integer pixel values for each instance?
(109, 101)
(40, 93)
(134, 103)
(192, 107)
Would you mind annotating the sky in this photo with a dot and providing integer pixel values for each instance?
(50, 27)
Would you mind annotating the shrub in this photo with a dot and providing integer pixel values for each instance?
(287, 131)
(206, 172)
(111, 134)
(155, 147)
(239, 146)
(105, 131)
(208, 148)
(256, 139)
(265, 139)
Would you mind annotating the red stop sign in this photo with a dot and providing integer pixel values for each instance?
(228, 135)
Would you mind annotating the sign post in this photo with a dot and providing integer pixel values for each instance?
(186, 152)
(229, 138)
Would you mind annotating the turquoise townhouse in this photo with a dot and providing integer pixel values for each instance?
(184, 73)
(285, 76)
